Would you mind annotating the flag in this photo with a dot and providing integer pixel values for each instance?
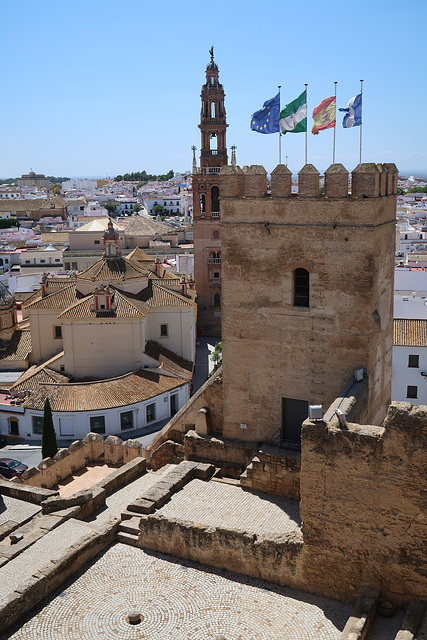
(293, 116)
(266, 120)
(353, 116)
(324, 115)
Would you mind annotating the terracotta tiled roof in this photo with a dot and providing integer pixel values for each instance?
(58, 300)
(125, 308)
(139, 255)
(37, 375)
(410, 333)
(52, 286)
(168, 360)
(139, 226)
(113, 270)
(54, 237)
(155, 295)
(104, 394)
(18, 348)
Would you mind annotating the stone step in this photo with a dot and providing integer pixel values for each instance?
(130, 526)
(128, 538)
(127, 515)
(142, 506)
(412, 621)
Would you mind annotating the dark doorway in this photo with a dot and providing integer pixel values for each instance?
(14, 427)
(174, 404)
(294, 412)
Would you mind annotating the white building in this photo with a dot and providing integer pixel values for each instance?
(409, 373)
(171, 204)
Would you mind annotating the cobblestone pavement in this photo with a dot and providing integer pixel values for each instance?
(17, 510)
(118, 501)
(41, 553)
(222, 505)
(178, 601)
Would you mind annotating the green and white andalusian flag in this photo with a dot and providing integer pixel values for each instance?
(293, 116)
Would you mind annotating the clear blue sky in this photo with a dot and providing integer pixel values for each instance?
(95, 87)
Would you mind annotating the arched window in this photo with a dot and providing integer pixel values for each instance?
(215, 199)
(217, 300)
(213, 142)
(202, 203)
(212, 109)
(301, 288)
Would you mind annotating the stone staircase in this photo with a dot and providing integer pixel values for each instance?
(374, 618)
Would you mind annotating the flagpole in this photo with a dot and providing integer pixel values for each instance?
(335, 126)
(361, 107)
(280, 133)
(306, 85)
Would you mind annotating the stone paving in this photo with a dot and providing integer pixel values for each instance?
(118, 501)
(17, 510)
(84, 479)
(228, 506)
(178, 601)
(41, 553)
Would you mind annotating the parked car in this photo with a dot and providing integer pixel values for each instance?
(10, 468)
(3, 441)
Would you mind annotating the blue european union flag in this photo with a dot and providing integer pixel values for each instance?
(266, 120)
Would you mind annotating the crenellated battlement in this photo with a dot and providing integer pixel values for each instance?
(368, 180)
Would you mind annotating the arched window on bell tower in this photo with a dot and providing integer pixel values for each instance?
(301, 288)
(214, 199)
(213, 109)
(202, 203)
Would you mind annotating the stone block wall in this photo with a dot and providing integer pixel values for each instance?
(78, 455)
(363, 505)
(274, 471)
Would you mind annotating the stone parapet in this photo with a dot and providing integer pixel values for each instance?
(365, 181)
(231, 181)
(308, 182)
(336, 181)
(255, 181)
(281, 182)
(274, 471)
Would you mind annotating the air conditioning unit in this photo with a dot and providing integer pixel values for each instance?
(315, 412)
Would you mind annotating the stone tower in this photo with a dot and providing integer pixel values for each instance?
(206, 202)
(307, 294)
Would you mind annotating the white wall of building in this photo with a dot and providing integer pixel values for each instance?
(403, 375)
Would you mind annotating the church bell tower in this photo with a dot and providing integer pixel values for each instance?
(206, 202)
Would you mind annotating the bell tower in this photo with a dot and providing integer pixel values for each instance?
(206, 202)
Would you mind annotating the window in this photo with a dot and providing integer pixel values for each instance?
(14, 427)
(37, 424)
(74, 266)
(216, 276)
(414, 361)
(97, 424)
(163, 330)
(27, 261)
(42, 261)
(215, 234)
(57, 259)
(411, 391)
(215, 199)
(126, 420)
(217, 300)
(57, 332)
(150, 411)
(67, 266)
(97, 242)
(301, 288)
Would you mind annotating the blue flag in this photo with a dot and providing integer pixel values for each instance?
(353, 116)
(266, 120)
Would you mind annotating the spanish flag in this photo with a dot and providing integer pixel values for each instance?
(324, 115)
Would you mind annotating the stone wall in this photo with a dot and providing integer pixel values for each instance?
(93, 448)
(203, 412)
(274, 471)
(364, 505)
(273, 348)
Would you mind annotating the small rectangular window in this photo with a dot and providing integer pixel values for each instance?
(126, 420)
(151, 412)
(163, 330)
(411, 391)
(57, 331)
(97, 242)
(97, 424)
(414, 361)
(37, 424)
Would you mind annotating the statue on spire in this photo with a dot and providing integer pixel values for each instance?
(211, 53)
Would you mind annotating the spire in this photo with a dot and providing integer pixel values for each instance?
(111, 241)
(233, 155)
(193, 148)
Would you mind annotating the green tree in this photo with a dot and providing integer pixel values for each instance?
(110, 206)
(56, 189)
(137, 208)
(158, 209)
(49, 446)
(418, 190)
(400, 191)
(217, 355)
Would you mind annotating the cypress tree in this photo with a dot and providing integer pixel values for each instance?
(49, 446)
